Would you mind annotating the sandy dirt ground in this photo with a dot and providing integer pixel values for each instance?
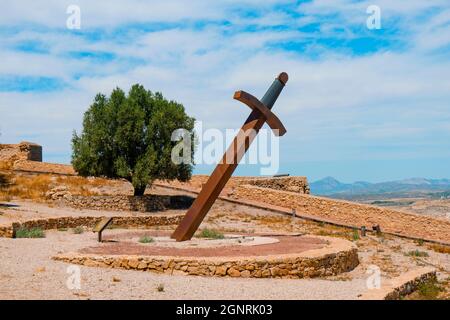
(28, 272)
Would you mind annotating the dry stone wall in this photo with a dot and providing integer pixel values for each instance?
(6, 232)
(397, 288)
(316, 263)
(293, 184)
(146, 203)
(43, 167)
(90, 222)
(350, 213)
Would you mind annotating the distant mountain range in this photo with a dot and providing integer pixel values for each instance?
(331, 187)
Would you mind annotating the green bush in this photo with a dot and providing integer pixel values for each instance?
(146, 239)
(30, 233)
(211, 234)
(417, 253)
(429, 290)
(78, 230)
(355, 234)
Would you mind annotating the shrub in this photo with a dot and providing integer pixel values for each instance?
(355, 235)
(211, 234)
(78, 230)
(30, 233)
(429, 290)
(146, 239)
(417, 253)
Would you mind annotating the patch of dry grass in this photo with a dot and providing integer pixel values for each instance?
(81, 186)
(439, 248)
(347, 235)
(6, 165)
(333, 231)
(27, 187)
(35, 187)
(273, 220)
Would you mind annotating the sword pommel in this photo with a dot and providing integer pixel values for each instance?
(283, 77)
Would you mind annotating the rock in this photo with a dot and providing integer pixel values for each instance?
(133, 263)
(116, 279)
(265, 273)
(184, 268)
(283, 272)
(221, 271)
(193, 270)
(124, 263)
(151, 266)
(212, 269)
(142, 265)
(245, 274)
(232, 272)
(90, 263)
(257, 274)
(275, 271)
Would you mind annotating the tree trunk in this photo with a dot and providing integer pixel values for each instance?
(139, 191)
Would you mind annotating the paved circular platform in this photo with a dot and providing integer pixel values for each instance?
(253, 256)
(231, 245)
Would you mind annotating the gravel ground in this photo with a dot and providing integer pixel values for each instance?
(27, 272)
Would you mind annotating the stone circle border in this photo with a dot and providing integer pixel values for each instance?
(336, 257)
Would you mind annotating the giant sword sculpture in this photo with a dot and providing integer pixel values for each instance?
(261, 113)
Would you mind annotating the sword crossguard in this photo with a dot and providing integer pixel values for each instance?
(254, 104)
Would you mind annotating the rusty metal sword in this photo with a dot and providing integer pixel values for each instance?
(261, 113)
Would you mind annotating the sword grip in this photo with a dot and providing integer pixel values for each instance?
(274, 90)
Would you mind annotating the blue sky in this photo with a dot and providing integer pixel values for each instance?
(360, 104)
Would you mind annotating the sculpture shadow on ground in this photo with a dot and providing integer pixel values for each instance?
(180, 202)
(9, 205)
(154, 202)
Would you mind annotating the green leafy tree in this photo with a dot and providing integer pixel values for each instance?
(129, 136)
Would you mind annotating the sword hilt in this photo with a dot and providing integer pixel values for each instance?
(274, 90)
(263, 106)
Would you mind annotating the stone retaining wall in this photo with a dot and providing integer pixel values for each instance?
(43, 167)
(338, 257)
(6, 232)
(293, 184)
(147, 203)
(90, 222)
(350, 213)
(401, 286)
